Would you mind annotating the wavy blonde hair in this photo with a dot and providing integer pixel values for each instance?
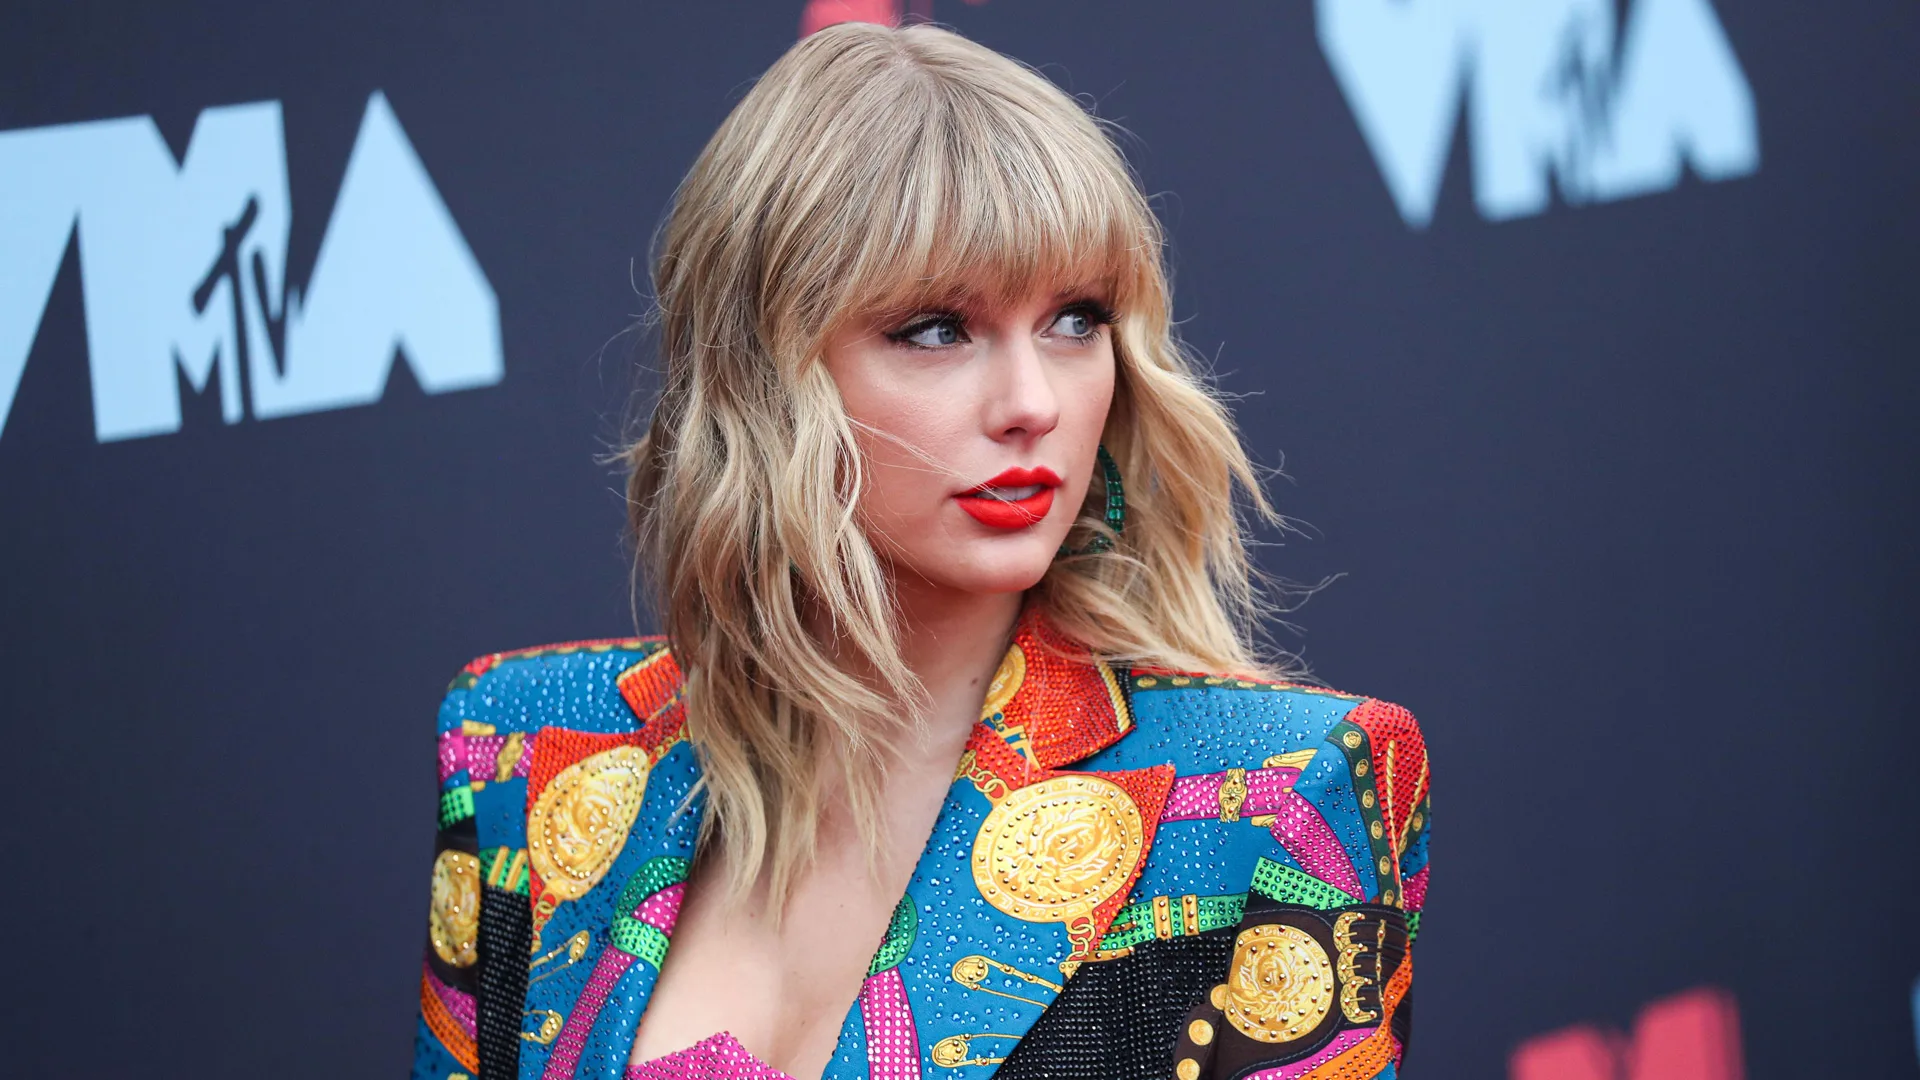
(876, 171)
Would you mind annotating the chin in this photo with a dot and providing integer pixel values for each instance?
(993, 565)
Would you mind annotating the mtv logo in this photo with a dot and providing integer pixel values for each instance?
(1556, 93)
(183, 266)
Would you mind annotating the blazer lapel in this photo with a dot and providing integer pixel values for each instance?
(1027, 866)
(610, 839)
(1028, 863)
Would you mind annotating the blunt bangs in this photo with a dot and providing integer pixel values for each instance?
(941, 185)
(1006, 208)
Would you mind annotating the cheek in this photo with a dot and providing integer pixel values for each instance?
(908, 440)
(1084, 403)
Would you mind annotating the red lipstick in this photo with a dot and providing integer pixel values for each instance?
(1016, 499)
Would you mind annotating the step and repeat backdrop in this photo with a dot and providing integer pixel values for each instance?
(1580, 334)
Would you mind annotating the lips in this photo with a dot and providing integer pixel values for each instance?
(1016, 499)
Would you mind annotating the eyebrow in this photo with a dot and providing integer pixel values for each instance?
(964, 299)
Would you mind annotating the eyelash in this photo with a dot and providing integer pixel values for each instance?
(1096, 313)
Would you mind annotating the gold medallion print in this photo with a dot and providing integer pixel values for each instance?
(580, 821)
(1281, 984)
(1006, 682)
(1056, 850)
(453, 922)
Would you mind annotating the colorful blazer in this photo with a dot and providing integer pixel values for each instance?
(1136, 873)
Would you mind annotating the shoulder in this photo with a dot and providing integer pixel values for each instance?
(602, 685)
(490, 719)
(511, 721)
(1338, 784)
(1218, 720)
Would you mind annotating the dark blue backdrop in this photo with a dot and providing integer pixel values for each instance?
(1623, 493)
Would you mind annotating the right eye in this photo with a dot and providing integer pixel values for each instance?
(933, 332)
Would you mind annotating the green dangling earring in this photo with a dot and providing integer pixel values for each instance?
(1116, 513)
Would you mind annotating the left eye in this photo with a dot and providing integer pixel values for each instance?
(1074, 324)
(931, 332)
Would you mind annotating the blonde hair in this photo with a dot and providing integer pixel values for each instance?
(881, 170)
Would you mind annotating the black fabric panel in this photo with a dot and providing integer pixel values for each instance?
(506, 939)
(1119, 1019)
(1200, 1053)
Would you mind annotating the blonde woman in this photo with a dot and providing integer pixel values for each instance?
(955, 760)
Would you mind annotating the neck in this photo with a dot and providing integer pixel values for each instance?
(953, 642)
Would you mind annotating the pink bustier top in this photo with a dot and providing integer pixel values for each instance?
(717, 1057)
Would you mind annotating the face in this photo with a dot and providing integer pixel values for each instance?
(980, 426)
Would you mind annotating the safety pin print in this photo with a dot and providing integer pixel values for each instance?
(575, 948)
(550, 1022)
(973, 971)
(952, 1052)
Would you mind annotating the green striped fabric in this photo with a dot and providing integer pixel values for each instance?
(635, 938)
(456, 806)
(1285, 885)
(1133, 924)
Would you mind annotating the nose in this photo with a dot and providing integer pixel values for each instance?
(1021, 403)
